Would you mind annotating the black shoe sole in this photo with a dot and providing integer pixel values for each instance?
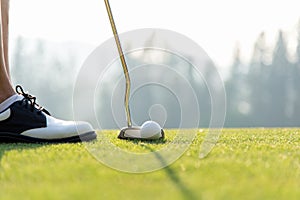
(17, 138)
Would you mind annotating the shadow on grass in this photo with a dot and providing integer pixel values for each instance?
(184, 190)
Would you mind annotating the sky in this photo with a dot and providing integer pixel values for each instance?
(216, 25)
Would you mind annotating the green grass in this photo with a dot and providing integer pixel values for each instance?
(245, 164)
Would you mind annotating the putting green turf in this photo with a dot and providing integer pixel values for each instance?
(245, 164)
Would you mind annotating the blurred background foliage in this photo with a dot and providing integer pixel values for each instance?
(262, 93)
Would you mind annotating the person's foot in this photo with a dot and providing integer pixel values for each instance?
(26, 121)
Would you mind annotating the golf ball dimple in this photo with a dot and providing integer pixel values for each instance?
(151, 130)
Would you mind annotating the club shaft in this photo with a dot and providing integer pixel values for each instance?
(123, 61)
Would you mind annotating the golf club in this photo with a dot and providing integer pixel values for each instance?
(128, 132)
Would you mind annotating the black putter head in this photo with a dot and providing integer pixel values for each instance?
(131, 133)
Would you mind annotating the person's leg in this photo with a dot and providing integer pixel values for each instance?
(6, 89)
(5, 30)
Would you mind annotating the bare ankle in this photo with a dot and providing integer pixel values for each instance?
(6, 95)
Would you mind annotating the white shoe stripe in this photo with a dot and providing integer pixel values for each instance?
(5, 115)
(58, 129)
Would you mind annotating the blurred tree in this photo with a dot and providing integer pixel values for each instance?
(236, 90)
(277, 85)
(298, 45)
(198, 83)
(257, 77)
(296, 84)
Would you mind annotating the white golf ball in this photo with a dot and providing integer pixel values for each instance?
(150, 130)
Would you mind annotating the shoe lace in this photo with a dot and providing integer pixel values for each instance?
(30, 99)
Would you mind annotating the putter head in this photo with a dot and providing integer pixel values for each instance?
(131, 133)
